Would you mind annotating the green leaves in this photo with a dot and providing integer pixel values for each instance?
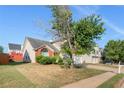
(86, 31)
(65, 48)
(1, 49)
(114, 50)
(80, 35)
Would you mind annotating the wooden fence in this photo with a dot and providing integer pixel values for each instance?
(4, 58)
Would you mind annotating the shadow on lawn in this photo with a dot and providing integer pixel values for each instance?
(17, 63)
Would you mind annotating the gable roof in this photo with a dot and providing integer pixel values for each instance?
(59, 40)
(14, 46)
(36, 43)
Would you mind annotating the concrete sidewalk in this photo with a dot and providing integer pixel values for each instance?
(92, 82)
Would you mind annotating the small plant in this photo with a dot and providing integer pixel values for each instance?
(58, 60)
(67, 62)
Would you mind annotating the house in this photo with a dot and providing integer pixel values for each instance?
(93, 57)
(57, 44)
(15, 53)
(34, 47)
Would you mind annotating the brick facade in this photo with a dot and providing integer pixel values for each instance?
(39, 51)
(17, 57)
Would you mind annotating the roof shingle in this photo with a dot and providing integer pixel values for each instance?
(14, 46)
(36, 43)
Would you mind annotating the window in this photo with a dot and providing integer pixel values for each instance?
(27, 57)
(44, 52)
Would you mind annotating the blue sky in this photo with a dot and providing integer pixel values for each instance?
(16, 22)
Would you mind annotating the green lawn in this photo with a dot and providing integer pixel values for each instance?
(16, 63)
(111, 82)
(36, 75)
(10, 77)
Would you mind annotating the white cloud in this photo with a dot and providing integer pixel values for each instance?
(88, 10)
(114, 27)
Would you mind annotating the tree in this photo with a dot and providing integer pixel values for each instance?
(1, 49)
(86, 31)
(80, 36)
(121, 51)
(62, 24)
(114, 51)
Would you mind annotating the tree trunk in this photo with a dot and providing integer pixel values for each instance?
(69, 39)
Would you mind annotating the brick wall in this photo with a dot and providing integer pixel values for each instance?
(38, 52)
(17, 57)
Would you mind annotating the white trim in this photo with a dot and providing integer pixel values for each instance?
(30, 50)
(24, 44)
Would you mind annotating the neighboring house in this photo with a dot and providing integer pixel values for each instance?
(57, 44)
(15, 53)
(34, 47)
(94, 57)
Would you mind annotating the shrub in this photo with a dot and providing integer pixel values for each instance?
(49, 60)
(67, 62)
(45, 60)
(1, 49)
(53, 60)
(38, 58)
(58, 60)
